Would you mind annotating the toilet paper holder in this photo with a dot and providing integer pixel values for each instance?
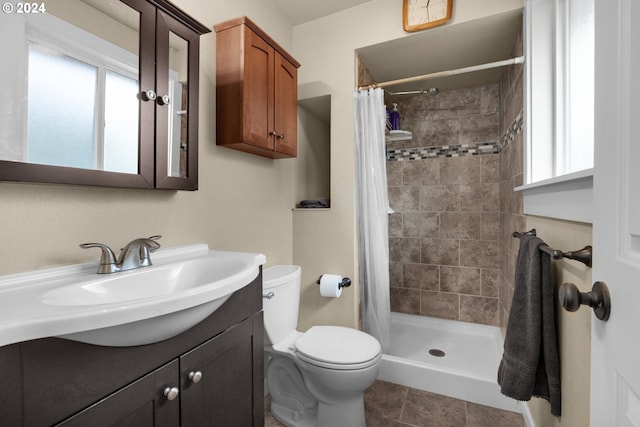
(345, 283)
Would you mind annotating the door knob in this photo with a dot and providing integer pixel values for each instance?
(598, 299)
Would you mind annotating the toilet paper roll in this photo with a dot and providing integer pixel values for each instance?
(330, 285)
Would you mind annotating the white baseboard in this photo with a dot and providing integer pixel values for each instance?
(526, 414)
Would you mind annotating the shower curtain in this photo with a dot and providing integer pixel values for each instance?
(372, 207)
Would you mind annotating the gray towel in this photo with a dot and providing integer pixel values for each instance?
(315, 203)
(530, 364)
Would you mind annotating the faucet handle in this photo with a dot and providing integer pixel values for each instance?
(148, 245)
(153, 242)
(108, 262)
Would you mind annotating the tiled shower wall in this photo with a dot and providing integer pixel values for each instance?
(452, 190)
(511, 175)
(444, 188)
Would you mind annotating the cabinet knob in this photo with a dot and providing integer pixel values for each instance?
(281, 136)
(171, 392)
(149, 95)
(273, 133)
(195, 376)
(164, 100)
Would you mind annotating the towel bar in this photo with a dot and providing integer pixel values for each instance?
(583, 255)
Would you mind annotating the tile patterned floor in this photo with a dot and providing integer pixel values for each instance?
(393, 405)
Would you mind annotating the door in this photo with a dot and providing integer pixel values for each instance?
(140, 404)
(615, 344)
(218, 381)
(258, 91)
(286, 106)
(176, 135)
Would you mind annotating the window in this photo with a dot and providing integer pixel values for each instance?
(559, 108)
(559, 78)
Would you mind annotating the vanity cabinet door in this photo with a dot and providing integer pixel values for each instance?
(228, 387)
(11, 388)
(256, 91)
(140, 404)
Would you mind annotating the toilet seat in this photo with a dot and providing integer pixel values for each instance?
(336, 347)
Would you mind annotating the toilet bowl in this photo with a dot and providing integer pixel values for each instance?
(318, 377)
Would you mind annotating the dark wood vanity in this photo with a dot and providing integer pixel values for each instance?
(211, 375)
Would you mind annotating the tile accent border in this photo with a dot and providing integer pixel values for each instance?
(459, 150)
(444, 151)
(512, 132)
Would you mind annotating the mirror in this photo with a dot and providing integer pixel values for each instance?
(178, 110)
(77, 106)
(98, 94)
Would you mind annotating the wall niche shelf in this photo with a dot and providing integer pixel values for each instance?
(398, 135)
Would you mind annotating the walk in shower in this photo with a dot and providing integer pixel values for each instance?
(450, 190)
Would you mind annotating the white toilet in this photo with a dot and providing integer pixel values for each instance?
(316, 378)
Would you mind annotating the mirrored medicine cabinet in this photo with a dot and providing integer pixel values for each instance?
(101, 93)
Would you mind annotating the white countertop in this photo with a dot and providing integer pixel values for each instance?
(25, 313)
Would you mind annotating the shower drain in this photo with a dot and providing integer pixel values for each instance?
(437, 352)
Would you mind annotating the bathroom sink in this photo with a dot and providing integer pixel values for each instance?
(143, 283)
(142, 306)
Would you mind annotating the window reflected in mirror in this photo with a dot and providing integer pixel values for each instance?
(121, 123)
(71, 101)
(80, 60)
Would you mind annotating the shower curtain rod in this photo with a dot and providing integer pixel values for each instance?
(504, 63)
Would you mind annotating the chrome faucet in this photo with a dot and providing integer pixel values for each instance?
(134, 255)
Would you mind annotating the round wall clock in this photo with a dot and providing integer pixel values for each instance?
(422, 14)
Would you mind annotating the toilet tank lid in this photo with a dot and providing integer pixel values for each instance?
(279, 274)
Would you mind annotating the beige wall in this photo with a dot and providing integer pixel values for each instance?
(244, 201)
(574, 329)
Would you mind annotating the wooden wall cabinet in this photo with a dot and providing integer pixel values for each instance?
(256, 91)
(57, 382)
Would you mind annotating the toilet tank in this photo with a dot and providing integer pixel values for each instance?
(281, 301)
